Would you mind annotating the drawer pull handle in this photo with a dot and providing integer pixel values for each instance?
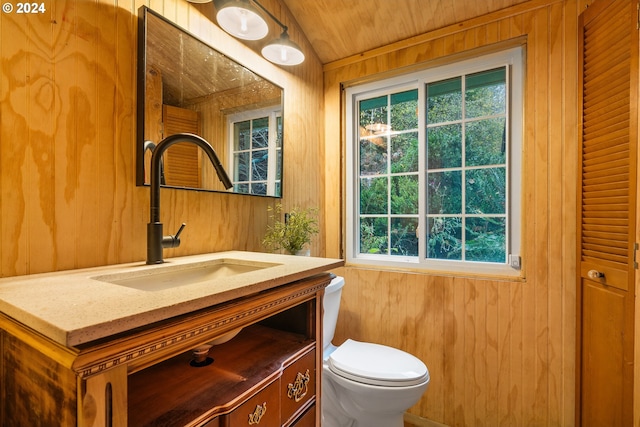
(298, 389)
(257, 414)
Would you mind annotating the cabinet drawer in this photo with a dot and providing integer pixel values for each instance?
(263, 409)
(308, 419)
(298, 385)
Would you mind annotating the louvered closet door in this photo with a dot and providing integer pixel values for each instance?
(606, 223)
(181, 161)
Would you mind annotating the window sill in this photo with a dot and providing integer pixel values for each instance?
(440, 268)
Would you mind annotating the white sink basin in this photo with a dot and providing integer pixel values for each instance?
(158, 278)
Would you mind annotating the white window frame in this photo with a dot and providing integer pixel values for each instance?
(513, 59)
(272, 114)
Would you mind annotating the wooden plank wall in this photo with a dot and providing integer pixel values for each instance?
(67, 140)
(500, 352)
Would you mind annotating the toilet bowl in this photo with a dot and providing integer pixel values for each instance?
(365, 384)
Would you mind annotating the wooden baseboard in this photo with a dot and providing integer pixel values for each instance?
(411, 420)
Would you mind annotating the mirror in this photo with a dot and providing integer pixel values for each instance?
(184, 85)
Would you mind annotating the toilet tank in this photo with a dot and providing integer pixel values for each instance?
(331, 305)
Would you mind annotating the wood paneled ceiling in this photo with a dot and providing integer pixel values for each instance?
(341, 28)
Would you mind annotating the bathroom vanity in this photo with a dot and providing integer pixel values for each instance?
(114, 346)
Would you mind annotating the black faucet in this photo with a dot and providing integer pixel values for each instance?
(150, 146)
(156, 241)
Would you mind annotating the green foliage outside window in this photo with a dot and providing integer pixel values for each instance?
(465, 170)
(389, 173)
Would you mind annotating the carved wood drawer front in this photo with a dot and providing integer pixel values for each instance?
(262, 410)
(298, 385)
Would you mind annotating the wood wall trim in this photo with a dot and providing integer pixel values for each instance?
(446, 31)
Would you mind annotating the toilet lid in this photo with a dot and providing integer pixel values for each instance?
(377, 364)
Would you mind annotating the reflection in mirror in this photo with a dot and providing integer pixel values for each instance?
(184, 85)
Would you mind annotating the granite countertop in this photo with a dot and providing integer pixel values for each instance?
(78, 306)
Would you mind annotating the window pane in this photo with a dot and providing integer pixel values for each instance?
(279, 166)
(260, 135)
(279, 130)
(241, 188)
(403, 236)
(404, 153)
(486, 93)
(241, 167)
(404, 110)
(404, 195)
(373, 236)
(260, 164)
(485, 240)
(485, 191)
(485, 142)
(444, 101)
(444, 238)
(373, 111)
(242, 140)
(259, 188)
(444, 146)
(373, 196)
(444, 192)
(373, 156)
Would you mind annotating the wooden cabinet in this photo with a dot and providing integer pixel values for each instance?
(268, 375)
(264, 376)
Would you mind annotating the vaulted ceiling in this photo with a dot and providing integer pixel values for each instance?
(341, 28)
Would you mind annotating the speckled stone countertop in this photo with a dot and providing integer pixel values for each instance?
(78, 306)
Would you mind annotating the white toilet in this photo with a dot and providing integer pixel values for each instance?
(365, 384)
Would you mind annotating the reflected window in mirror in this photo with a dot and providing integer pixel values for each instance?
(186, 85)
(255, 146)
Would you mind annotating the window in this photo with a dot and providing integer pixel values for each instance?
(434, 167)
(256, 152)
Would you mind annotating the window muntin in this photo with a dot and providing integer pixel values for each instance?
(256, 152)
(437, 151)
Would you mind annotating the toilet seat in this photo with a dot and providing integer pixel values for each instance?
(376, 364)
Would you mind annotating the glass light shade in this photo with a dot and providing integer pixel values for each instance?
(240, 19)
(283, 51)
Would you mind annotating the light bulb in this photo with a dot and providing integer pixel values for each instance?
(243, 22)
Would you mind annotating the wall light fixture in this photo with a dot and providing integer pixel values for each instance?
(240, 19)
(243, 20)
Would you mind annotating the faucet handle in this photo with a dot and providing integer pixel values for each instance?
(177, 236)
(173, 241)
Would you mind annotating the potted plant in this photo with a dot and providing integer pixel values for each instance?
(294, 232)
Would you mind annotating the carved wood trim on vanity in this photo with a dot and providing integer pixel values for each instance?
(169, 337)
